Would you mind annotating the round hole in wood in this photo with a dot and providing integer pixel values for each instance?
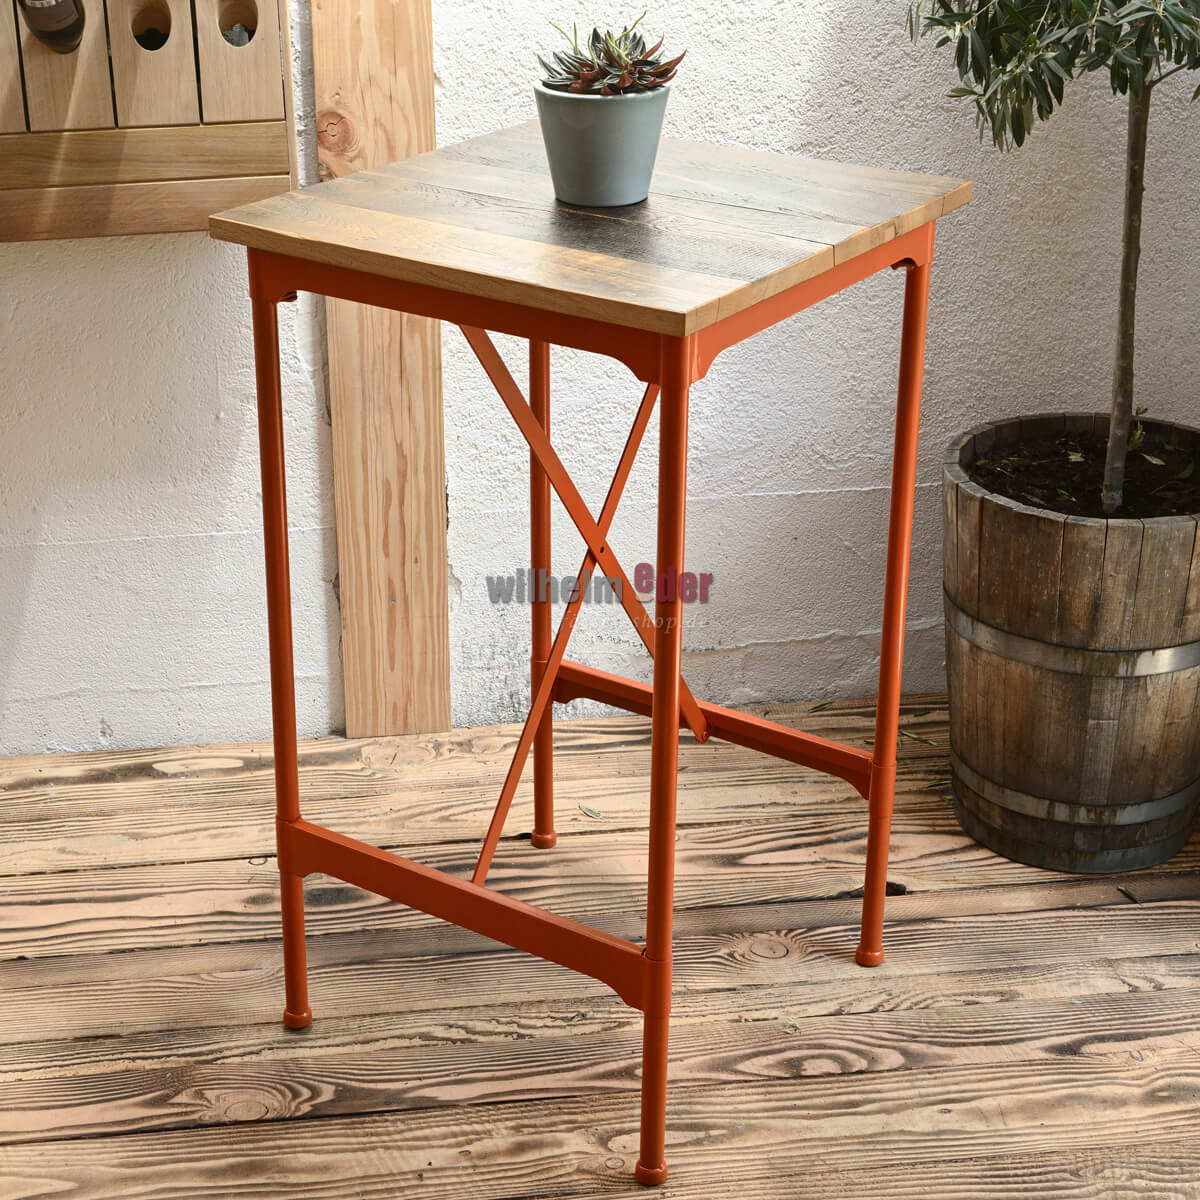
(238, 21)
(151, 25)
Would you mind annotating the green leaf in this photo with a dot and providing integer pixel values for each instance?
(1158, 462)
(979, 55)
(1019, 55)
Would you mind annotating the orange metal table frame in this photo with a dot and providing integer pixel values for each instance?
(668, 365)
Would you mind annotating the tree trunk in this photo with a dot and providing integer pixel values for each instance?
(1112, 493)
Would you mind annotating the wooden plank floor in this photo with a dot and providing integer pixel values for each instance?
(1031, 1035)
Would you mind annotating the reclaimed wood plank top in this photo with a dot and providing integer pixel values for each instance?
(722, 228)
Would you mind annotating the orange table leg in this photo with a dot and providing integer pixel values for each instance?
(891, 657)
(664, 753)
(543, 835)
(642, 979)
(297, 1013)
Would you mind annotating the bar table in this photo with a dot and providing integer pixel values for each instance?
(729, 243)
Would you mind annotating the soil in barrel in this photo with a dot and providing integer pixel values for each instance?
(1063, 473)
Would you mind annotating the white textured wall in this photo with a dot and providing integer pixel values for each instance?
(791, 432)
(130, 560)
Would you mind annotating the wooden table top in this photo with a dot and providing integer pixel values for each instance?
(722, 229)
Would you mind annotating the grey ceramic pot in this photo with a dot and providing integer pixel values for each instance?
(601, 148)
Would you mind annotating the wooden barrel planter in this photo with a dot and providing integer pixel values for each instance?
(1073, 657)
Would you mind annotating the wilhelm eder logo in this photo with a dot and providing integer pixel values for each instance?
(539, 587)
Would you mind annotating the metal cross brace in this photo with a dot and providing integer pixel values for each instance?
(594, 532)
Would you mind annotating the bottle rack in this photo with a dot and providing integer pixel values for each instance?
(118, 138)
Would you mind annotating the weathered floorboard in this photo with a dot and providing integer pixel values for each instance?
(447, 968)
(192, 803)
(1030, 1035)
(482, 1063)
(585, 1145)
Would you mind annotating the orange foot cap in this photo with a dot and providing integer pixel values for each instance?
(300, 1020)
(650, 1176)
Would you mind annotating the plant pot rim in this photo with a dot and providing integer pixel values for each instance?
(952, 468)
(650, 95)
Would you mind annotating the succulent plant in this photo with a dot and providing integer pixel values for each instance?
(609, 64)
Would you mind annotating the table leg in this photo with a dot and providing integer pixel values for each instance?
(664, 754)
(891, 656)
(297, 1013)
(543, 835)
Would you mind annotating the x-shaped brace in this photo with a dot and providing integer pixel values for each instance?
(594, 532)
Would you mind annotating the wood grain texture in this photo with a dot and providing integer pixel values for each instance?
(1160, 602)
(217, 802)
(585, 1145)
(1020, 554)
(601, 875)
(1190, 631)
(499, 178)
(679, 246)
(1081, 581)
(139, 996)
(239, 83)
(486, 1061)
(386, 1017)
(374, 98)
(1095, 584)
(1101, 1173)
(68, 91)
(1051, 757)
(722, 229)
(1029, 1034)
(12, 98)
(282, 15)
(47, 160)
(106, 210)
(153, 87)
(852, 208)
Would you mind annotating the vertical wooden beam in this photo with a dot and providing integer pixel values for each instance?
(12, 96)
(373, 63)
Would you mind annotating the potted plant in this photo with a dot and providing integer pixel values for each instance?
(601, 110)
(1072, 564)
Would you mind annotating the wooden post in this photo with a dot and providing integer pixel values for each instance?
(373, 62)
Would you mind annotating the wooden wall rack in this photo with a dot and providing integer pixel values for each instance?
(117, 138)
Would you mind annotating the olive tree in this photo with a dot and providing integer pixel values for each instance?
(1016, 57)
